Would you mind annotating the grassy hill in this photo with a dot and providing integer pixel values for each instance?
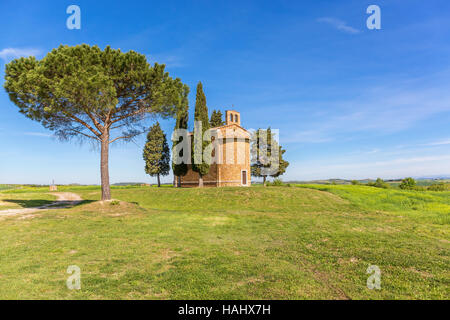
(299, 242)
(425, 182)
(6, 187)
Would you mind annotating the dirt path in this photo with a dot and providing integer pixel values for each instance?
(64, 200)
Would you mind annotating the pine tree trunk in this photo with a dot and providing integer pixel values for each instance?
(264, 181)
(104, 167)
(159, 181)
(200, 182)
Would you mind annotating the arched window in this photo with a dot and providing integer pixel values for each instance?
(235, 118)
(231, 117)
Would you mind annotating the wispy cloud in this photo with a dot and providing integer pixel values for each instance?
(386, 109)
(339, 25)
(438, 143)
(14, 53)
(310, 136)
(372, 151)
(38, 134)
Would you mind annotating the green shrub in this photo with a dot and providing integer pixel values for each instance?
(277, 182)
(379, 183)
(114, 202)
(438, 187)
(408, 184)
(355, 182)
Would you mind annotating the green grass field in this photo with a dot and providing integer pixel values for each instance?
(5, 187)
(299, 242)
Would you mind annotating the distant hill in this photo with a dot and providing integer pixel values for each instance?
(327, 181)
(129, 183)
(424, 181)
(440, 177)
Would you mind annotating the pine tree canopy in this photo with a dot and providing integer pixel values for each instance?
(82, 90)
(283, 164)
(216, 119)
(262, 156)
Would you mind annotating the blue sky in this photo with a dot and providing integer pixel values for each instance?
(349, 102)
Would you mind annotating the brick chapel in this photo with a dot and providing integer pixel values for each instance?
(233, 154)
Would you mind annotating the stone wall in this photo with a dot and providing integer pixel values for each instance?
(191, 177)
(231, 174)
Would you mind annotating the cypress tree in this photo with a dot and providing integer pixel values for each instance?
(201, 115)
(258, 143)
(156, 153)
(181, 123)
(216, 119)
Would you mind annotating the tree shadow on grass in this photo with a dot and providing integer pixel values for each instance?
(45, 203)
(29, 203)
